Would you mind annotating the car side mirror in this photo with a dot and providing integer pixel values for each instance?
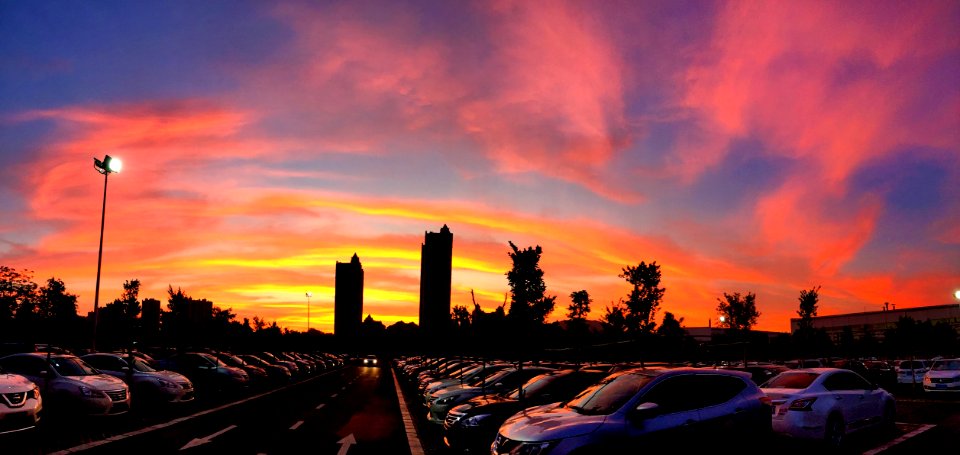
(644, 411)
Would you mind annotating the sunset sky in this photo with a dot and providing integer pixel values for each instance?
(763, 147)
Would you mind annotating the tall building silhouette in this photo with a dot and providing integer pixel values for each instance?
(348, 298)
(436, 262)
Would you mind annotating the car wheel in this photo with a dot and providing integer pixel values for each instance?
(835, 431)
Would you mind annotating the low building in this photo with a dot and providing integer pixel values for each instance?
(877, 322)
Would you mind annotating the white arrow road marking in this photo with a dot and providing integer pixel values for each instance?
(320, 406)
(199, 441)
(296, 425)
(347, 442)
(333, 396)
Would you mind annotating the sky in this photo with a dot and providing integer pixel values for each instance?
(750, 146)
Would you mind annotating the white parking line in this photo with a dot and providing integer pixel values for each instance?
(333, 396)
(412, 439)
(898, 440)
(320, 406)
(296, 425)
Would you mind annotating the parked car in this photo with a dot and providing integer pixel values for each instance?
(473, 425)
(149, 385)
(257, 375)
(944, 376)
(20, 403)
(912, 371)
(206, 372)
(277, 373)
(69, 384)
(442, 400)
(473, 376)
(827, 404)
(638, 408)
(288, 364)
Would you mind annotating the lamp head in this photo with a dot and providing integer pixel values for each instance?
(309, 294)
(108, 165)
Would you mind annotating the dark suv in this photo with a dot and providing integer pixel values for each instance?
(635, 409)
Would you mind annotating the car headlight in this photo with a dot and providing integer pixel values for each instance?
(474, 421)
(167, 384)
(88, 392)
(533, 448)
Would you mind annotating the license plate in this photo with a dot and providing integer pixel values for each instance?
(941, 386)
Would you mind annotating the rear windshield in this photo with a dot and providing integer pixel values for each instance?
(791, 380)
(908, 365)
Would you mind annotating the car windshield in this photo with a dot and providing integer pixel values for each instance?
(610, 394)
(486, 376)
(791, 380)
(947, 365)
(533, 386)
(497, 377)
(140, 365)
(71, 366)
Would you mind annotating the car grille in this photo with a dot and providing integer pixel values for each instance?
(503, 445)
(186, 385)
(16, 399)
(941, 380)
(116, 395)
(452, 419)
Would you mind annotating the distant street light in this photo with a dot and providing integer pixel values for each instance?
(105, 167)
(957, 294)
(723, 319)
(309, 294)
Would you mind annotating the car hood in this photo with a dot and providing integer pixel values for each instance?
(548, 422)
(100, 382)
(170, 376)
(943, 373)
(458, 390)
(12, 383)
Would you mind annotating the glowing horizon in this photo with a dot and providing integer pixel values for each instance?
(761, 147)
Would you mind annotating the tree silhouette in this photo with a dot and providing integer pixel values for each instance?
(580, 306)
(614, 320)
(671, 327)
(528, 305)
(55, 303)
(808, 307)
(740, 312)
(645, 297)
(461, 317)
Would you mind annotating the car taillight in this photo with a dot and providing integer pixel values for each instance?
(766, 401)
(803, 404)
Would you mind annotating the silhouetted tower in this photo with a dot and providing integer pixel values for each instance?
(348, 298)
(436, 262)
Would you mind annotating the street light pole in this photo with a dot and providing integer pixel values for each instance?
(309, 294)
(105, 167)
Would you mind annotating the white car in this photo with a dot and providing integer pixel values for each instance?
(69, 384)
(827, 404)
(20, 403)
(912, 371)
(944, 376)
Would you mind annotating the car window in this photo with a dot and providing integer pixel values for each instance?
(845, 381)
(791, 380)
(610, 394)
(30, 366)
(714, 389)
